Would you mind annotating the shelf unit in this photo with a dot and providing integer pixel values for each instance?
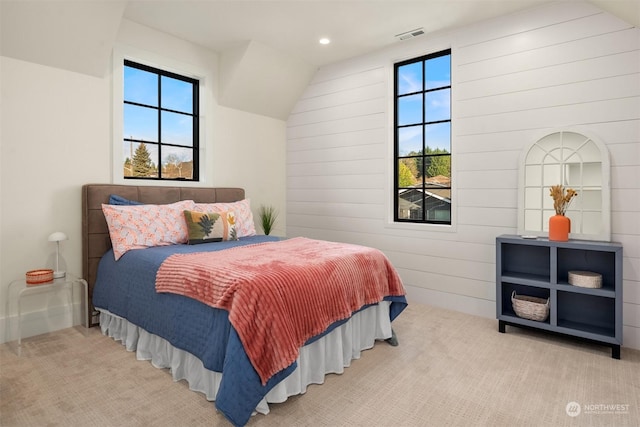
(540, 268)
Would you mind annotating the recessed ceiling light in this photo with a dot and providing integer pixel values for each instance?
(324, 40)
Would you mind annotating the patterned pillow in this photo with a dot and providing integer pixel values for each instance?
(144, 226)
(242, 209)
(210, 227)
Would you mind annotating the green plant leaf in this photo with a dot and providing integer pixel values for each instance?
(268, 215)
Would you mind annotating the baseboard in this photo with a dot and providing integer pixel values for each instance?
(40, 322)
(461, 303)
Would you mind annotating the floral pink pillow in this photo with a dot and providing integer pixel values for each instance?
(145, 226)
(242, 209)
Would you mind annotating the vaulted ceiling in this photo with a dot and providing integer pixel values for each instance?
(354, 26)
(79, 35)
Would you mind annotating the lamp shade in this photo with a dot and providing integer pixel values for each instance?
(57, 236)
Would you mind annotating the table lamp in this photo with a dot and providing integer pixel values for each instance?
(57, 237)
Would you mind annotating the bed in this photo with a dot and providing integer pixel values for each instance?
(216, 341)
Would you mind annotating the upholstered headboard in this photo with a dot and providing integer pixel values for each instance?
(95, 234)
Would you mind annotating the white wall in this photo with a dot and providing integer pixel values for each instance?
(567, 65)
(56, 136)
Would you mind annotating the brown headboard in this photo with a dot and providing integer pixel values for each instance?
(95, 234)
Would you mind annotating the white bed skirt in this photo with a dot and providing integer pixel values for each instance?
(330, 354)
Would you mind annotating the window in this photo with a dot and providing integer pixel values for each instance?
(161, 126)
(422, 122)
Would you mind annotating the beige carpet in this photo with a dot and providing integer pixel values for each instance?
(450, 369)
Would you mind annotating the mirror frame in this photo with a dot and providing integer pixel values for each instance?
(604, 233)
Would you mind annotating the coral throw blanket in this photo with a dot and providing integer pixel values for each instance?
(280, 294)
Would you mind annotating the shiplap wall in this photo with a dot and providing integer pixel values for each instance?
(560, 66)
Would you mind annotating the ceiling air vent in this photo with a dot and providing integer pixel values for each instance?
(410, 34)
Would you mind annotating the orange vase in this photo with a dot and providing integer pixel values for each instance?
(559, 228)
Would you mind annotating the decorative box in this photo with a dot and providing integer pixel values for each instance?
(585, 279)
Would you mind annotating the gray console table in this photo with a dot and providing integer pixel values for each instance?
(540, 268)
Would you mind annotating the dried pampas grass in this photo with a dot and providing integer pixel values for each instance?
(562, 199)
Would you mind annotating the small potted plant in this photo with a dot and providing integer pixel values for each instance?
(268, 215)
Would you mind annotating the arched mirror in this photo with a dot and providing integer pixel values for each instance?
(574, 161)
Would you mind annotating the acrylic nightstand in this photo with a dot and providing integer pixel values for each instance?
(18, 290)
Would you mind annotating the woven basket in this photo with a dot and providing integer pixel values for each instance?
(585, 279)
(531, 308)
(38, 277)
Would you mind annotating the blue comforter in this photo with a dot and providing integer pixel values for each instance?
(126, 288)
